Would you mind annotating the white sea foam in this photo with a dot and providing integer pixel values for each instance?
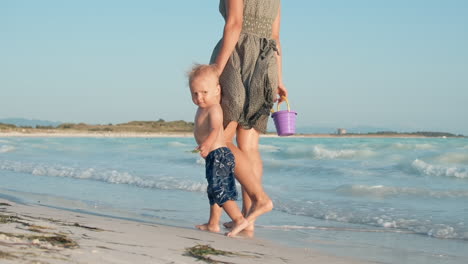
(200, 161)
(381, 191)
(453, 157)
(320, 152)
(268, 148)
(103, 175)
(439, 170)
(387, 218)
(359, 172)
(407, 146)
(6, 148)
(331, 228)
(179, 144)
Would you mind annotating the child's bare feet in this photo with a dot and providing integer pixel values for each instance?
(209, 227)
(237, 227)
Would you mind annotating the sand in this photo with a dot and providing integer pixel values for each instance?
(40, 234)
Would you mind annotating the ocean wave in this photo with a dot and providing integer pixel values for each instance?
(405, 146)
(439, 170)
(331, 228)
(200, 161)
(320, 152)
(103, 175)
(381, 191)
(389, 219)
(453, 158)
(6, 148)
(179, 144)
(268, 148)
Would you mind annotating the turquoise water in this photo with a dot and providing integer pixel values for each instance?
(392, 200)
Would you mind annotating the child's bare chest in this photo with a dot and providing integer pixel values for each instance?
(202, 126)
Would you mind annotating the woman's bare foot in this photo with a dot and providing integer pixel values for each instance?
(208, 227)
(258, 208)
(229, 225)
(238, 227)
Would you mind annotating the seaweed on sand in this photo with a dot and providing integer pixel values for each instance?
(6, 255)
(88, 227)
(9, 219)
(202, 252)
(55, 239)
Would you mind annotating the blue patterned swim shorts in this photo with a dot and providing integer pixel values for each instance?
(219, 167)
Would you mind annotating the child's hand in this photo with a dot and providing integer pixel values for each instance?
(196, 150)
(204, 150)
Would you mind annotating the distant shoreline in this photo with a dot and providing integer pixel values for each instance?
(104, 134)
(179, 128)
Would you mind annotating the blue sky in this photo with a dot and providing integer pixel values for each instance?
(397, 64)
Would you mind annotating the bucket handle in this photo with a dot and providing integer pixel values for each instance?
(278, 106)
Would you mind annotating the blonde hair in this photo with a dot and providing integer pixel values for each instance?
(202, 69)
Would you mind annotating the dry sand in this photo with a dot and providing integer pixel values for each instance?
(39, 234)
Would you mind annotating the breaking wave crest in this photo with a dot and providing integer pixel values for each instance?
(386, 218)
(6, 148)
(320, 152)
(103, 175)
(439, 170)
(381, 191)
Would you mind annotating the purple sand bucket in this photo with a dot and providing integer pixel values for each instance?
(285, 121)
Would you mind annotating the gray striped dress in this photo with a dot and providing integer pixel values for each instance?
(250, 78)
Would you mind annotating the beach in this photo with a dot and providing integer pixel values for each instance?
(136, 198)
(41, 234)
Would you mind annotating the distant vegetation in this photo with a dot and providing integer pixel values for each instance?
(7, 126)
(419, 133)
(133, 126)
(180, 126)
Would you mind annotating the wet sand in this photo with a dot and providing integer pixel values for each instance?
(40, 234)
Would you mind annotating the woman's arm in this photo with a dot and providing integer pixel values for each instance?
(232, 30)
(282, 91)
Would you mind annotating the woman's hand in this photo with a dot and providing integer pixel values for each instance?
(282, 92)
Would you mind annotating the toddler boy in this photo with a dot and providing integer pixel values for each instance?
(219, 160)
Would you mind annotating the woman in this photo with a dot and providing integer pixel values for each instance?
(248, 58)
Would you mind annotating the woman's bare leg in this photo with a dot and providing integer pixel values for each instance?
(238, 220)
(251, 185)
(248, 142)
